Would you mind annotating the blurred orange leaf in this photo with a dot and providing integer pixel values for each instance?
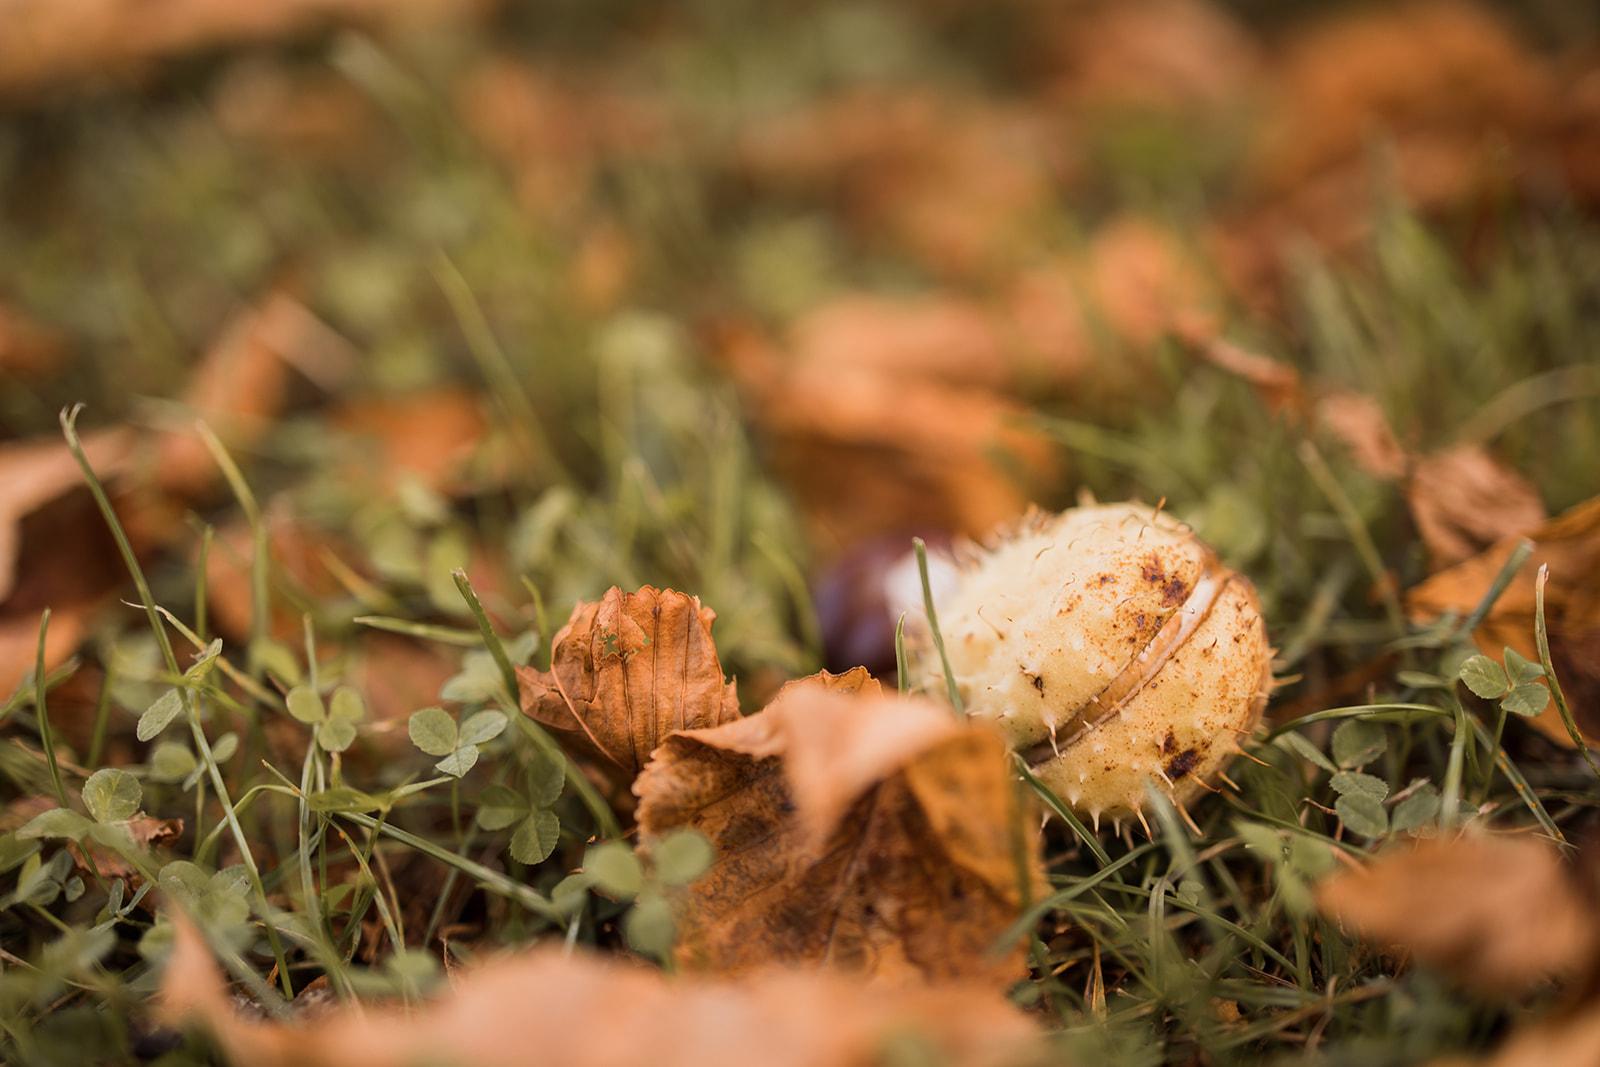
(1570, 545)
(1463, 500)
(28, 349)
(71, 39)
(1500, 914)
(427, 436)
(580, 1011)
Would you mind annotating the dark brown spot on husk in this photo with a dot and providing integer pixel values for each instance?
(1182, 763)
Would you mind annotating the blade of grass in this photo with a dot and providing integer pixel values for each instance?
(1360, 536)
(1450, 804)
(27, 688)
(1519, 783)
(504, 384)
(47, 739)
(920, 547)
(1497, 588)
(902, 670)
(260, 556)
(69, 429)
(445, 635)
(1541, 636)
(1066, 814)
(102, 714)
(795, 581)
(1377, 712)
(200, 568)
(491, 879)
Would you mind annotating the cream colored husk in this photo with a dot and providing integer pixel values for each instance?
(1111, 648)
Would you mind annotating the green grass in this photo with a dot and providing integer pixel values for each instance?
(633, 464)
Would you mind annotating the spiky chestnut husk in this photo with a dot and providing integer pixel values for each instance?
(1113, 649)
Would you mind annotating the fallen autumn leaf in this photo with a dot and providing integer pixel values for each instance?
(629, 669)
(874, 834)
(581, 1011)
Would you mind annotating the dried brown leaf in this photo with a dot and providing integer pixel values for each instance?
(629, 669)
(1499, 914)
(1570, 545)
(1571, 1041)
(581, 1011)
(146, 831)
(36, 473)
(299, 553)
(28, 348)
(952, 179)
(1462, 107)
(1444, 77)
(19, 641)
(868, 452)
(870, 833)
(313, 115)
(393, 673)
(1358, 422)
(70, 39)
(1463, 500)
(54, 550)
(1278, 384)
(1183, 56)
(426, 436)
(1578, 131)
(238, 388)
(942, 337)
(1134, 279)
(1144, 282)
(556, 131)
(603, 267)
(1355, 420)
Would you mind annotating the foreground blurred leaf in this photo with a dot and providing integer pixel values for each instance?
(1500, 914)
(580, 1011)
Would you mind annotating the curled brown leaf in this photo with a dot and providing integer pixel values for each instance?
(874, 834)
(629, 669)
(1279, 385)
(584, 1012)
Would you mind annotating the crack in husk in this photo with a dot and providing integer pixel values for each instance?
(1120, 690)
